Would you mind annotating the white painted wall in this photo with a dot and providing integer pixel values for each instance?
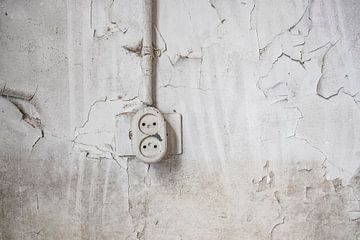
(268, 91)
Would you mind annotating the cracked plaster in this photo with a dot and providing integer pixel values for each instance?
(270, 115)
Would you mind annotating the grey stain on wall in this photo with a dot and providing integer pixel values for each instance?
(270, 120)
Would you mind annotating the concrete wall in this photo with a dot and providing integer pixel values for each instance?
(268, 91)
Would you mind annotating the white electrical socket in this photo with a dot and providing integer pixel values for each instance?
(123, 142)
(149, 135)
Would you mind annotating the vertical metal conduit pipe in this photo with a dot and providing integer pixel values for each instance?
(147, 53)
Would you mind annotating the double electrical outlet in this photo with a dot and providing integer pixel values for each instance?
(149, 135)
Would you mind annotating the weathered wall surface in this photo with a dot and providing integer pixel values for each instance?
(269, 96)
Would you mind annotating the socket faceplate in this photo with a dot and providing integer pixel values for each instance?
(149, 135)
(123, 134)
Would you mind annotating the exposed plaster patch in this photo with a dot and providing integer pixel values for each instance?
(267, 180)
(199, 28)
(281, 122)
(139, 184)
(89, 112)
(15, 94)
(323, 62)
(108, 30)
(258, 84)
(289, 30)
(96, 135)
(23, 103)
(325, 157)
(101, 21)
(179, 57)
(327, 203)
(137, 49)
(184, 68)
(29, 113)
(282, 41)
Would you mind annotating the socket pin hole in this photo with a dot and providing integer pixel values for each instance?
(155, 146)
(144, 146)
(154, 123)
(143, 124)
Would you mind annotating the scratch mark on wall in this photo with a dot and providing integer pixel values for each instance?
(89, 112)
(275, 226)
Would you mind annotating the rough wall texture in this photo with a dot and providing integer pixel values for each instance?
(269, 92)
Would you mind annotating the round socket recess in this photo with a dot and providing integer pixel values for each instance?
(151, 147)
(149, 124)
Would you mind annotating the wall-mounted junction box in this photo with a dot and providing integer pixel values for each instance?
(148, 134)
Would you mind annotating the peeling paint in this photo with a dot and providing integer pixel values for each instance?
(270, 106)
